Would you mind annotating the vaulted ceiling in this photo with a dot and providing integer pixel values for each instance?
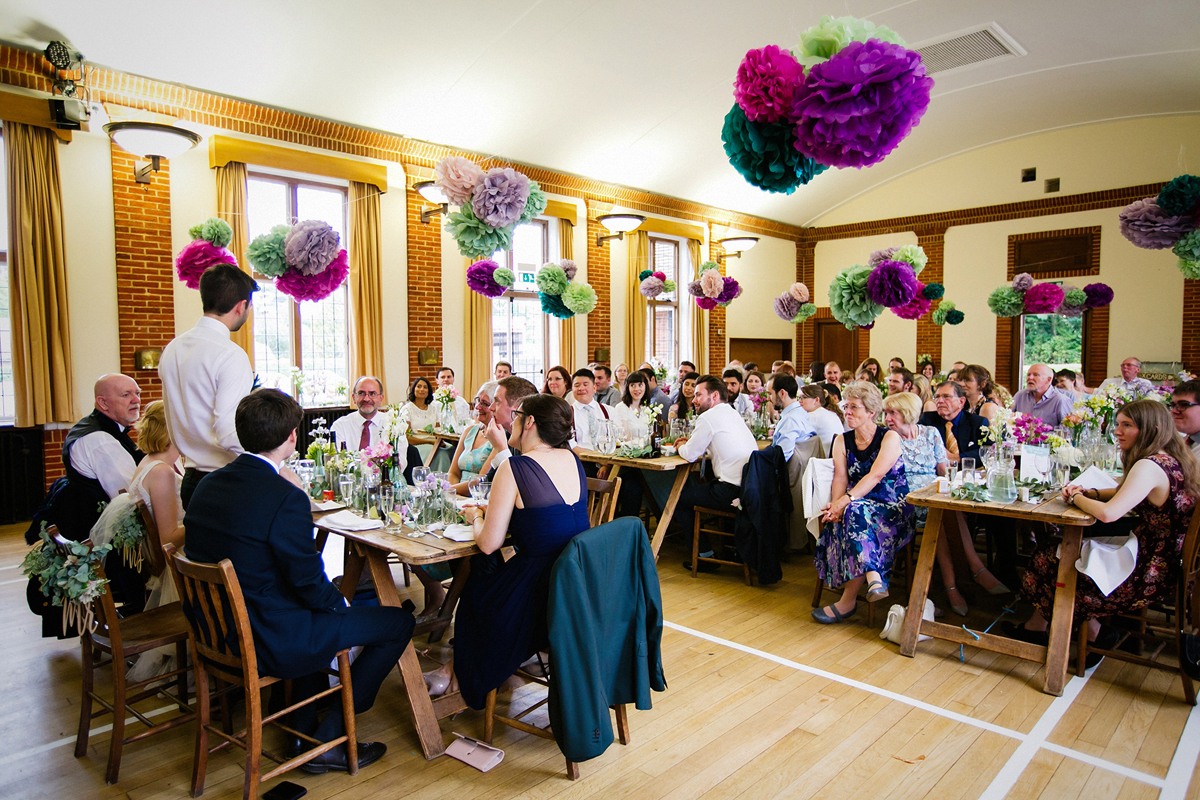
(629, 91)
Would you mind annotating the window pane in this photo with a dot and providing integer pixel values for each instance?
(665, 256)
(267, 205)
(327, 205)
(1052, 340)
(519, 336)
(324, 345)
(526, 257)
(664, 333)
(273, 337)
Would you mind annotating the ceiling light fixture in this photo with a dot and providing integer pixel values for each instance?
(430, 191)
(735, 245)
(152, 140)
(620, 224)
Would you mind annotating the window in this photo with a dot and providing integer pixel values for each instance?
(520, 330)
(8, 396)
(301, 348)
(662, 321)
(1052, 340)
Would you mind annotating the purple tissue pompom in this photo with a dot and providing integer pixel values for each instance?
(695, 289)
(858, 106)
(1147, 226)
(892, 284)
(1022, 282)
(480, 280)
(917, 307)
(315, 287)
(310, 246)
(1043, 298)
(500, 197)
(868, 326)
(1098, 295)
(707, 303)
(767, 80)
(786, 307)
(199, 255)
(569, 267)
(651, 288)
(730, 292)
(880, 256)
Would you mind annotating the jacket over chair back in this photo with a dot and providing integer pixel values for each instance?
(760, 528)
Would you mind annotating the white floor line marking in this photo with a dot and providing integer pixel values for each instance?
(1030, 742)
(33, 751)
(1179, 774)
(14, 580)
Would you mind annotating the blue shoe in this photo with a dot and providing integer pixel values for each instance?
(820, 616)
(876, 591)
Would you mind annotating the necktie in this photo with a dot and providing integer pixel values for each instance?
(365, 440)
(951, 442)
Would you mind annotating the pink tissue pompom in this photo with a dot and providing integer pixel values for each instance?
(766, 83)
(456, 177)
(707, 303)
(917, 307)
(712, 283)
(1043, 298)
(199, 255)
(800, 292)
(315, 287)
(651, 288)
(662, 276)
(569, 267)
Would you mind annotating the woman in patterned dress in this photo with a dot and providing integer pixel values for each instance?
(868, 519)
(1161, 482)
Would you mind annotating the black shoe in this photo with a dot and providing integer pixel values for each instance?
(294, 747)
(335, 759)
(702, 566)
(1106, 639)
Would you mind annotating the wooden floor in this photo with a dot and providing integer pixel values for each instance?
(762, 703)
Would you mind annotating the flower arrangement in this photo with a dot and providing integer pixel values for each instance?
(129, 536)
(69, 581)
(664, 374)
(491, 204)
(379, 457)
(712, 289)
(1028, 429)
(445, 396)
(395, 426)
(761, 399)
(210, 240)
(1023, 296)
(561, 295)
(305, 259)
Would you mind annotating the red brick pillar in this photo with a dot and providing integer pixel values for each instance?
(806, 344)
(717, 356)
(1191, 328)
(929, 336)
(424, 284)
(599, 321)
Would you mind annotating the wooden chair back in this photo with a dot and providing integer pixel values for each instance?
(154, 550)
(602, 500)
(1188, 603)
(104, 609)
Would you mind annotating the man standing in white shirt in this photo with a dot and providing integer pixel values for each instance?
(587, 409)
(721, 433)
(1129, 379)
(205, 375)
(733, 388)
(1185, 411)
(362, 428)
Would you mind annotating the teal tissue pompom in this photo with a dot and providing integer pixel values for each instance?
(475, 238)
(266, 252)
(646, 273)
(933, 291)
(551, 279)
(1180, 197)
(848, 301)
(954, 317)
(553, 305)
(536, 203)
(579, 298)
(1006, 301)
(504, 277)
(941, 313)
(1188, 248)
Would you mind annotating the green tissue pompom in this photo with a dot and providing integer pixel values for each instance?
(536, 203)
(1006, 301)
(1075, 297)
(668, 286)
(807, 310)
(551, 279)
(941, 313)
(1190, 269)
(912, 255)
(1188, 248)
(503, 276)
(217, 231)
(196, 231)
(266, 252)
(707, 265)
(848, 301)
(579, 298)
(475, 238)
(646, 273)
(822, 41)
(954, 316)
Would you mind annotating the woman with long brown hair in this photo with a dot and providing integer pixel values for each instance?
(977, 380)
(823, 412)
(1161, 482)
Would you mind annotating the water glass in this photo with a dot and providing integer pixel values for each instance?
(346, 488)
(968, 468)
(1062, 473)
(481, 490)
(952, 473)
(449, 508)
(387, 504)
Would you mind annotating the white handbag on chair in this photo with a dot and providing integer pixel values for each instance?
(893, 626)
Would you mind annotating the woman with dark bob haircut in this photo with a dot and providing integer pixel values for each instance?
(539, 498)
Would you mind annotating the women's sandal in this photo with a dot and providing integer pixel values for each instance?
(820, 616)
(876, 591)
(999, 588)
(437, 683)
(960, 610)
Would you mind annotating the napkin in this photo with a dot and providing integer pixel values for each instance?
(325, 506)
(1108, 560)
(462, 502)
(1094, 478)
(460, 533)
(347, 521)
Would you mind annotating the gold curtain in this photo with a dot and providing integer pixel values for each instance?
(699, 315)
(566, 341)
(366, 289)
(231, 207)
(635, 315)
(477, 339)
(37, 262)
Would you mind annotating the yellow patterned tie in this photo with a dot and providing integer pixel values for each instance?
(951, 442)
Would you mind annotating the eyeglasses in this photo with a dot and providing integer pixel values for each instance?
(1182, 405)
(852, 407)
(368, 394)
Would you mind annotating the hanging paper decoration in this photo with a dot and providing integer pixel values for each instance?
(889, 279)
(712, 289)
(207, 249)
(848, 300)
(793, 306)
(482, 279)
(490, 204)
(1023, 296)
(305, 259)
(654, 283)
(1169, 220)
(561, 296)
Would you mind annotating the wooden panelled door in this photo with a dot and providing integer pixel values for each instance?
(835, 342)
(763, 352)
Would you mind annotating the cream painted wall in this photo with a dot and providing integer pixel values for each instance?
(891, 335)
(193, 200)
(454, 298)
(1089, 158)
(764, 271)
(393, 210)
(85, 170)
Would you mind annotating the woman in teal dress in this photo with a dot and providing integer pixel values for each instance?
(473, 456)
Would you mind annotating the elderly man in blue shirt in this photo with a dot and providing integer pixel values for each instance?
(794, 425)
(1040, 399)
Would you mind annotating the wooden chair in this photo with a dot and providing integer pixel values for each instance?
(1170, 631)
(123, 639)
(216, 616)
(602, 500)
(719, 513)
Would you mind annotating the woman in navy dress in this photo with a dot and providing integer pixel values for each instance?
(539, 499)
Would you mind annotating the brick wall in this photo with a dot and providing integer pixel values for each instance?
(717, 357)
(929, 336)
(599, 321)
(52, 442)
(424, 286)
(1191, 326)
(806, 331)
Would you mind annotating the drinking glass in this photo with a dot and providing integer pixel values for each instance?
(952, 473)
(449, 506)
(419, 474)
(346, 487)
(387, 504)
(968, 468)
(1062, 473)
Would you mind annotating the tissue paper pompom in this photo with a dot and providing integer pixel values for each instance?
(311, 246)
(731, 291)
(807, 310)
(766, 80)
(579, 298)
(551, 279)
(1098, 295)
(914, 309)
(695, 289)
(877, 257)
(765, 153)
(662, 276)
(1043, 298)
(800, 292)
(1022, 282)
(475, 238)
(706, 303)
(536, 203)
(942, 312)
(482, 280)
(504, 276)
(933, 291)
(786, 307)
(1188, 248)
(651, 288)
(315, 287)
(848, 301)
(646, 273)
(824, 40)
(1190, 269)
(669, 286)
(267, 252)
(1006, 301)
(868, 326)
(217, 231)
(569, 268)
(707, 265)
(1147, 226)
(456, 177)
(196, 231)
(913, 255)
(1180, 197)
(198, 256)
(712, 282)
(854, 109)
(500, 197)
(954, 316)
(892, 283)
(552, 304)
(1074, 301)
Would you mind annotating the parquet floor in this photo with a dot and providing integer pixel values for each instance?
(762, 703)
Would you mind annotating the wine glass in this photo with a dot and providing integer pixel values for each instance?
(346, 489)
(387, 504)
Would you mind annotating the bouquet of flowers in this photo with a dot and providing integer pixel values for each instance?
(665, 375)
(70, 581)
(395, 426)
(445, 396)
(1000, 429)
(1028, 429)
(1101, 408)
(761, 399)
(379, 456)
(321, 448)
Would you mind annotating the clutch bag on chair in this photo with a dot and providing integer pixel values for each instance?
(475, 753)
(893, 626)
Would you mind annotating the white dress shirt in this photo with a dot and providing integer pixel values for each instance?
(827, 425)
(1139, 385)
(585, 415)
(723, 434)
(98, 455)
(204, 377)
(743, 405)
(348, 429)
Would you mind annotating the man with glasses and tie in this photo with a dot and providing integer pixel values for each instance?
(360, 429)
(1185, 410)
(960, 429)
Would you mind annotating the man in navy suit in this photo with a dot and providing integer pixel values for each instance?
(951, 401)
(260, 521)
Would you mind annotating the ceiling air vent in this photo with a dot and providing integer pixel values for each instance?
(964, 49)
